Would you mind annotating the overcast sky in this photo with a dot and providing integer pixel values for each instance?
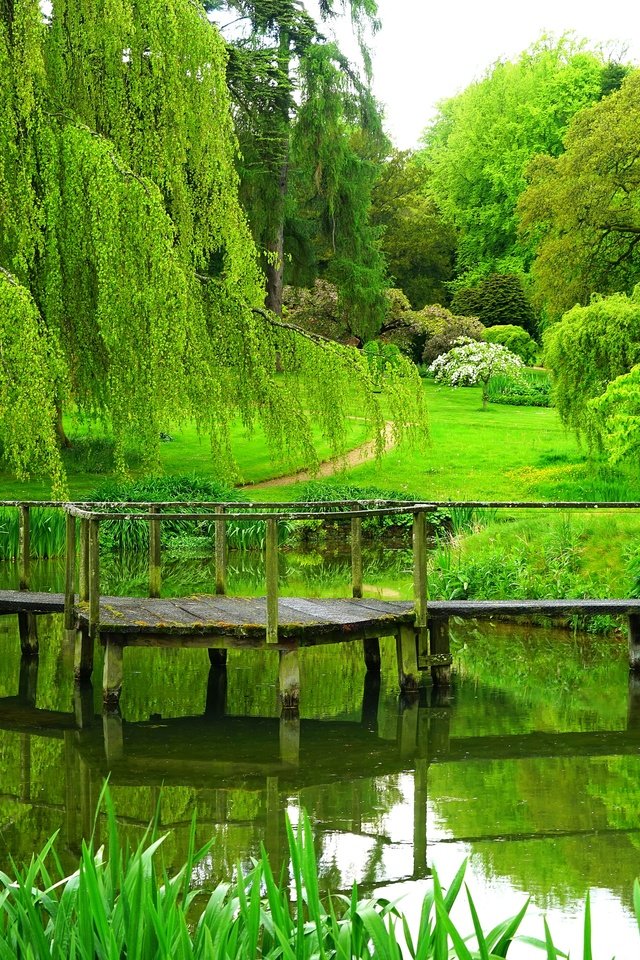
(428, 50)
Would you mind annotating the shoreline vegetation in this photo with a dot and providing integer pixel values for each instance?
(122, 901)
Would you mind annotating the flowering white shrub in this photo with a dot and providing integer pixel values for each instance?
(470, 362)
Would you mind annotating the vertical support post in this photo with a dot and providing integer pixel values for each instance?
(289, 730)
(70, 572)
(371, 647)
(83, 579)
(94, 578)
(221, 552)
(634, 643)
(28, 681)
(154, 552)
(356, 557)
(440, 647)
(26, 621)
(272, 580)
(113, 736)
(420, 567)
(24, 546)
(25, 767)
(70, 790)
(406, 652)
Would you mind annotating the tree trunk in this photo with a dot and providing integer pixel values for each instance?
(274, 269)
(274, 241)
(63, 439)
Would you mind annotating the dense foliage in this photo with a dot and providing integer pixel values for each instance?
(515, 339)
(129, 274)
(497, 300)
(590, 347)
(418, 243)
(469, 363)
(311, 139)
(581, 208)
(478, 148)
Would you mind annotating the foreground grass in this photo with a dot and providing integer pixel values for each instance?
(124, 903)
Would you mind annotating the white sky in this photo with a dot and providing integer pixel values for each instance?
(428, 50)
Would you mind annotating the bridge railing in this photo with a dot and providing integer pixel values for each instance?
(91, 515)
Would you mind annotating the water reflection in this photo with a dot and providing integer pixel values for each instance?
(532, 768)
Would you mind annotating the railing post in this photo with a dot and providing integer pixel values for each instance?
(70, 572)
(154, 552)
(24, 547)
(83, 578)
(221, 552)
(420, 567)
(272, 580)
(94, 578)
(356, 557)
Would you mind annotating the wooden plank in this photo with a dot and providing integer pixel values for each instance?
(17, 601)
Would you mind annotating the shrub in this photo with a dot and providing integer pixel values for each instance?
(515, 339)
(497, 300)
(443, 328)
(469, 363)
(525, 390)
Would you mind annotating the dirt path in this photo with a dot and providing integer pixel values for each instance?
(353, 458)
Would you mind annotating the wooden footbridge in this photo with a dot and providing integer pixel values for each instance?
(219, 622)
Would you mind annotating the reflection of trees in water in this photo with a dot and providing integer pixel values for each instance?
(543, 796)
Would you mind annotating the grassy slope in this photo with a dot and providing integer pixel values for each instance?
(189, 453)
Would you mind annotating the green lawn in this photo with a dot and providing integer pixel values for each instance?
(188, 453)
(501, 453)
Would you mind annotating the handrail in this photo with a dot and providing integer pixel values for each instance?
(91, 513)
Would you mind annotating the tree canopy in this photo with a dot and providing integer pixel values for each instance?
(583, 208)
(418, 243)
(586, 352)
(478, 148)
(129, 280)
(311, 140)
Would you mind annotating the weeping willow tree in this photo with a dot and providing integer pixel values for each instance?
(130, 288)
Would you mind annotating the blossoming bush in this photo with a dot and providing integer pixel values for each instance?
(470, 362)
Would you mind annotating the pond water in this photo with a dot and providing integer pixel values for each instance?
(529, 767)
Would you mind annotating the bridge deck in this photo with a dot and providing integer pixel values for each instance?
(228, 614)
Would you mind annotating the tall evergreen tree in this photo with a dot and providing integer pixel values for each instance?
(310, 139)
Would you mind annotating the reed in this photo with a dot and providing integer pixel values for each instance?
(123, 902)
(47, 533)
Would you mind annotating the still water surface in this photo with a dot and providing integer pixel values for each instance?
(530, 768)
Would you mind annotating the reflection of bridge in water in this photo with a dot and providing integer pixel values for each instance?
(274, 759)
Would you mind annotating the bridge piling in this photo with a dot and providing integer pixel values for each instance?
(440, 647)
(406, 652)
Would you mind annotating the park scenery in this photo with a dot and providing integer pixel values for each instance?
(334, 426)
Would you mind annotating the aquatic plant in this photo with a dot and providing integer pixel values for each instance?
(123, 902)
